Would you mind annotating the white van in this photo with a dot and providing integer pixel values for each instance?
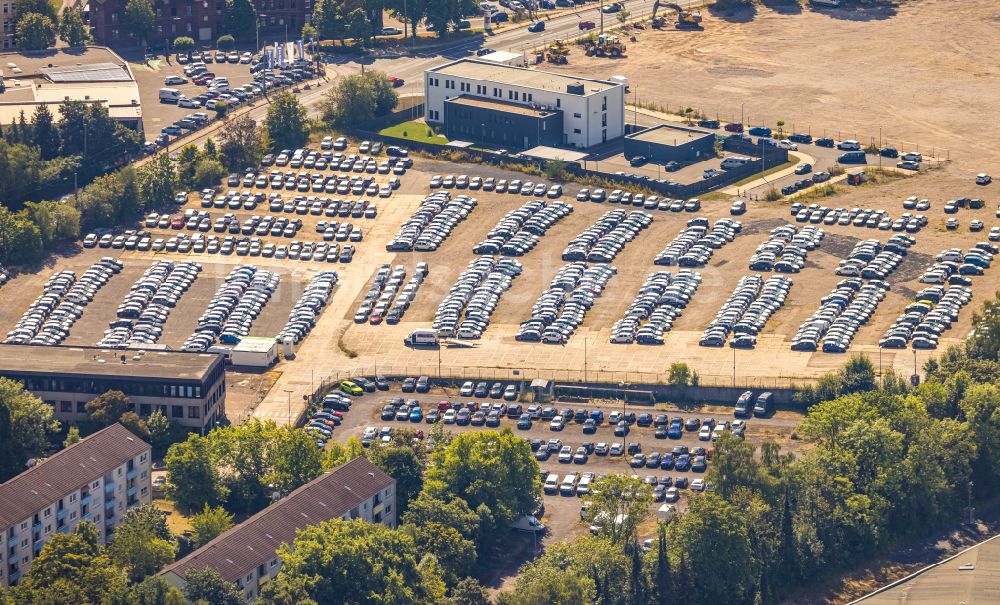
(169, 95)
(734, 161)
(421, 337)
(568, 487)
(620, 80)
(551, 484)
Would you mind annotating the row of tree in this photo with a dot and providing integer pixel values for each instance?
(359, 20)
(36, 23)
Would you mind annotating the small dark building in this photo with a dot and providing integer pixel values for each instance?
(665, 143)
(499, 123)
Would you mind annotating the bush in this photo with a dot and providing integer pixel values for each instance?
(680, 374)
(226, 42)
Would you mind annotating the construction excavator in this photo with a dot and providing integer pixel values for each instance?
(557, 52)
(685, 19)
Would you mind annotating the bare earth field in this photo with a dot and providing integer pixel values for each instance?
(921, 73)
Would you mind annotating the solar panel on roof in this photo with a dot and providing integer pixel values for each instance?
(97, 72)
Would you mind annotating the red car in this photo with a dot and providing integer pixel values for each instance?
(177, 222)
(444, 406)
(375, 319)
(396, 82)
(734, 127)
(587, 25)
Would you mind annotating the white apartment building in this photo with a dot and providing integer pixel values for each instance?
(593, 111)
(246, 555)
(96, 480)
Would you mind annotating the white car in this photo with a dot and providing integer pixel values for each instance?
(983, 179)
(467, 388)
(172, 80)
(705, 433)
(788, 145)
(698, 485)
(246, 57)
(188, 103)
(557, 424)
(449, 417)
(566, 454)
(327, 143)
(912, 156)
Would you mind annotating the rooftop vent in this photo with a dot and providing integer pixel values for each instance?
(575, 89)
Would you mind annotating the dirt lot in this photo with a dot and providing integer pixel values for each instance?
(819, 70)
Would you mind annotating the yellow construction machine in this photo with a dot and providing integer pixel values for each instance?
(685, 19)
(557, 52)
(606, 46)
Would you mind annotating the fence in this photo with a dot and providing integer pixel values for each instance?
(711, 387)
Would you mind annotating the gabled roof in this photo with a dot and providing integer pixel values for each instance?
(255, 541)
(66, 472)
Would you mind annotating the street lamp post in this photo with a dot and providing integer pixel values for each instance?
(585, 358)
(289, 393)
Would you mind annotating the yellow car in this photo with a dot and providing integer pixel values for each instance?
(350, 388)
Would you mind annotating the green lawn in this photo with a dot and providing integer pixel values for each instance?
(414, 131)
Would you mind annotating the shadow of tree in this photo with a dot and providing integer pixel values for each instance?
(784, 7)
(732, 11)
(873, 10)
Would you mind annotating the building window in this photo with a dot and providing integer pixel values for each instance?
(578, 116)
(72, 515)
(48, 529)
(528, 97)
(66, 407)
(81, 407)
(604, 120)
(576, 131)
(47, 513)
(558, 102)
(177, 411)
(72, 498)
(193, 411)
(145, 409)
(604, 104)
(274, 562)
(144, 491)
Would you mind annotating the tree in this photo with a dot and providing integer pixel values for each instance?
(151, 518)
(662, 581)
(72, 30)
(156, 591)
(984, 339)
(400, 463)
(358, 26)
(134, 423)
(328, 18)
(240, 143)
(713, 539)
(193, 479)
(623, 16)
(26, 423)
(20, 239)
(286, 121)
(455, 554)
(187, 163)
(41, 7)
(296, 460)
(443, 13)
(56, 221)
(350, 101)
(206, 585)
(225, 42)
(618, 503)
(490, 468)
(138, 19)
(159, 433)
(157, 181)
(468, 592)
(208, 171)
(680, 374)
(72, 437)
(71, 566)
(455, 514)
(35, 32)
(107, 407)
(209, 524)
(137, 548)
(246, 452)
(46, 138)
(241, 19)
(353, 562)
(183, 44)
(309, 33)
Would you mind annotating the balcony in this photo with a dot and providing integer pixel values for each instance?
(87, 516)
(62, 514)
(12, 541)
(14, 576)
(85, 499)
(64, 529)
(110, 502)
(109, 487)
(132, 474)
(37, 548)
(378, 509)
(132, 490)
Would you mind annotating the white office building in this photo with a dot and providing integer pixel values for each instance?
(494, 103)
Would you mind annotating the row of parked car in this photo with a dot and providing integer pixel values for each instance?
(859, 217)
(786, 249)
(661, 300)
(520, 230)
(48, 319)
(514, 187)
(303, 316)
(466, 309)
(869, 259)
(931, 313)
(841, 314)
(561, 308)
(432, 222)
(746, 311)
(953, 266)
(602, 241)
(324, 420)
(388, 298)
(233, 308)
(144, 310)
(696, 243)
(318, 182)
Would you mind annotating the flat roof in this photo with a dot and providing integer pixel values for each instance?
(668, 134)
(67, 471)
(525, 110)
(555, 153)
(255, 344)
(90, 361)
(94, 72)
(330, 496)
(501, 56)
(490, 71)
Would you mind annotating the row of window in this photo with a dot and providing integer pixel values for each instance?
(96, 386)
(481, 89)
